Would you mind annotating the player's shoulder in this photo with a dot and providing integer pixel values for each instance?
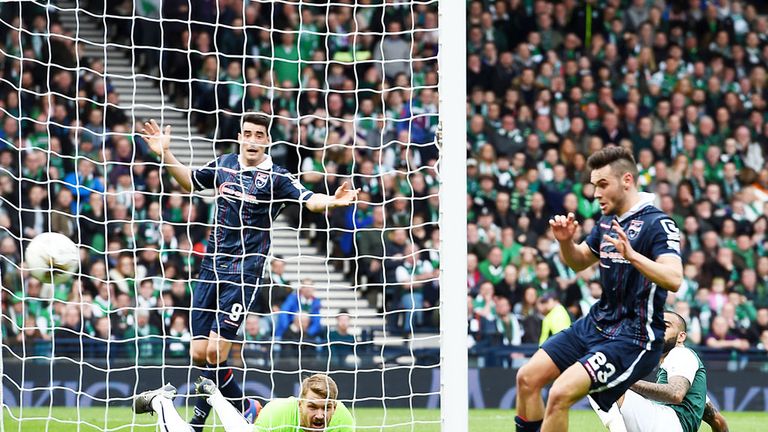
(280, 170)
(680, 355)
(279, 405)
(226, 160)
(342, 416)
(655, 219)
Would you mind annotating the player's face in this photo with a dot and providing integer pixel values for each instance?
(315, 412)
(672, 332)
(609, 189)
(254, 141)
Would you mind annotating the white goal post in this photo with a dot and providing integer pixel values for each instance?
(453, 214)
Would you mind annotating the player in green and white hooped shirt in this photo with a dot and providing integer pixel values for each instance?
(316, 409)
(677, 401)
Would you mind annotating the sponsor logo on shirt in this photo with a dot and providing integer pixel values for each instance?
(609, 252)
(235, 192)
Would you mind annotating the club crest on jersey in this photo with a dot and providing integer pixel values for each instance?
(634, 229)
(261, 179)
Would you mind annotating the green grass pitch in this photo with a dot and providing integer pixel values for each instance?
(369, 419)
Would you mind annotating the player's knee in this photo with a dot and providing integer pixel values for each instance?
(216, 353)
(199, 355)
(527, 381)
(562, 397)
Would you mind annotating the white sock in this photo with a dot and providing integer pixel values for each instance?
(231, 418)
(612, 419)
(168, 419)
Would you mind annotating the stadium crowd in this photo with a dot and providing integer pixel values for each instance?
(682, 84)
(72, 163)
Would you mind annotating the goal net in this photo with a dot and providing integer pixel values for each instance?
(351, 88)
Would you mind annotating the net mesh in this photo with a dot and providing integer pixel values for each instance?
(351, 88)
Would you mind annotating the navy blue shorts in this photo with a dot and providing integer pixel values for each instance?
(221, 301)
(612, 364)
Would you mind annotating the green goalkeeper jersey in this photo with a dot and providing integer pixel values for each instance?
(282, 415)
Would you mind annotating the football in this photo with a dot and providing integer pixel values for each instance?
(52, 257)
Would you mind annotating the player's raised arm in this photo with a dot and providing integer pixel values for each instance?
(159, 142)
(343, 197)
(666, 271)
(577, 256)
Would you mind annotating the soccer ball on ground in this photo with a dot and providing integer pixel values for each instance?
(52, 257)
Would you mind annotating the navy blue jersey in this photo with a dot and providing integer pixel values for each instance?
(247, 202)
(631, 305)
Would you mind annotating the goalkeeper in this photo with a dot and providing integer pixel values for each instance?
(251, 193)
(316, 409)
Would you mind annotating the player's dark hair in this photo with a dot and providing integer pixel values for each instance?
(259, 119)
(619, 158)
(683, 324)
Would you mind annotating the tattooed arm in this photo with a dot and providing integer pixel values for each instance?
(672, 392)
(714, 419)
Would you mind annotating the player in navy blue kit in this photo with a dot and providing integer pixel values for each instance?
(621, 339)
(251, 192)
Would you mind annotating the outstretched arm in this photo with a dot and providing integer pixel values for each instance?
(159, 142)
(673, 392)
(343, 197)
(714, 419)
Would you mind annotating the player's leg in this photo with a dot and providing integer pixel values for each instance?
(236, 299)
(203, 314)
(556, 355)
(168, 419)
(643, 415)
(160, 401)
(229, 416)
(539, 372)
(612, 419)
(569, 387)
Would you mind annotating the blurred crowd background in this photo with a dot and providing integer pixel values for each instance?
(683, 84)
(358, 107)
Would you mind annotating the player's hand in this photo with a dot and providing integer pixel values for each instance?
(345, 196)
(564, 227)
(159, 141)
(621, 243)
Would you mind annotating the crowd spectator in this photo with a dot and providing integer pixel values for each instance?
(672, 82)
(299, 306)
(683, 84)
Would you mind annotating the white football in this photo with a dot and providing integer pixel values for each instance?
(52, 257)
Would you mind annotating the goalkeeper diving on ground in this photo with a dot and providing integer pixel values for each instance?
(316, 409)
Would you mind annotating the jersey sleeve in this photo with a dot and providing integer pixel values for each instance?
(681, 362)
(205, 177)
(665, 238)
(289, 187)
(594, 238)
